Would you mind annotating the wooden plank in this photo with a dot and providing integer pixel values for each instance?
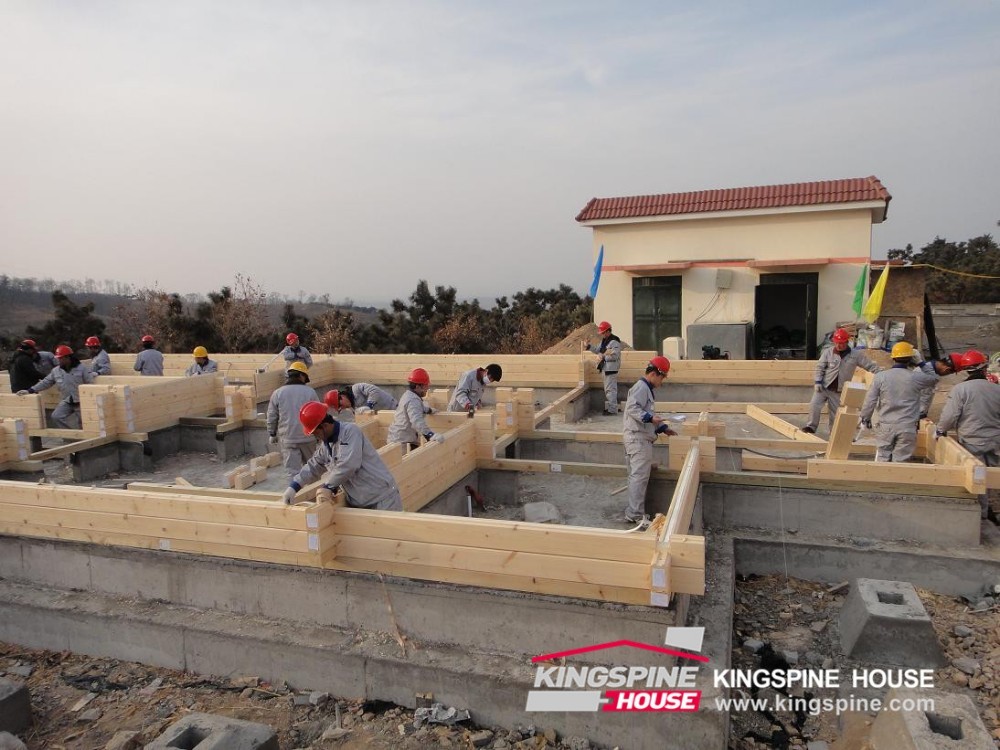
(79, 445)
(845, 425)
(517, 536)
(779, 425)
(730, 407)
(753, 462)
(680, 445)
(28, 408)
(858, 472)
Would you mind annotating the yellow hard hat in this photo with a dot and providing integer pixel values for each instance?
(200, 351)
(902, 349)
(297, 367)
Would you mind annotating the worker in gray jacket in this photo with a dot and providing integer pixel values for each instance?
(610, 350)
(202, 365)
(149, 361)
(895, 394)
(69, 375)
(468, 394)
(367, 397)
(408, 423)
(283, 426)
(344, 458)
(293, 352)
(45, 362)
(639, 430)
(947, 365)
(100, 362)
(973, 411)
(834, 370)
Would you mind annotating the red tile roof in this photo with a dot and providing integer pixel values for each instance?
(737, 199)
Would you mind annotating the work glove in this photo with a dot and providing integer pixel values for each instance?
(438, 437)
(470, 409)
(867, 423)
(272, 439)
(664, 429)
(428, 410)
(818, 388)
(288, 496)
(23, 393)
(941, 433)
(917, 357)
(371, 405)
(364, 410)
(324, 495)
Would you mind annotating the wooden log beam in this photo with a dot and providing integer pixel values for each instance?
(76, 447)
(780, 425)
(859, 472)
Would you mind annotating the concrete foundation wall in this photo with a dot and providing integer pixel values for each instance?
(944, 521)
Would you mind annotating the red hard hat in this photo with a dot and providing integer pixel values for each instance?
(661, 363)
(63, 351)
(419, 376)
(291, 339)
(311, 415)
(841, 336)
(30, 343)
(973, 359)
(92, 341)
(332, 399)
(147, 339)
(603, 326)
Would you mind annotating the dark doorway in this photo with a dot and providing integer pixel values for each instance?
(656, 311)
(785, 309)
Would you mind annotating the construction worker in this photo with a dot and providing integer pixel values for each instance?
(100, 362)
(973, 411)
(283, 427)
(149, 361)
(408, 423)
(895, 395)
(22, 370)
(45, 362)
(639, 430)
(468, 394)
(344, 458)
(371, 398)
(834, 370)
(610, 350)
(70, 375)
(202, 364)
(947, 365)
(293, 352)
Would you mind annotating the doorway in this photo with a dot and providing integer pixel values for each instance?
(656, 311)
(785, 309)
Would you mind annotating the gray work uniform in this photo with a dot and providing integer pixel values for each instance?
(349, 460)
(366, 394)
(895, 394)
(211, 366)
(928, 387)
(100, 363)
(408, 423)
(833, 372)
(67, 411)
(469, 391)
(283, 421)
(611, 355)
(638, 436)
(46, 363)
(297, 354)
(149, 362)
(973, 410)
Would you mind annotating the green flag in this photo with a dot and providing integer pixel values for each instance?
(859, 291)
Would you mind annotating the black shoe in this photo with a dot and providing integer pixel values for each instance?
(808, 430)
(608, 413)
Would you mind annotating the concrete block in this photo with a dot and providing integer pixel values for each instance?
(953, 723)
(15, 706)
(212, 732)
(885, 622)
(542, 512)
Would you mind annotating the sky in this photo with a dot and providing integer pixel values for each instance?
(354, 148)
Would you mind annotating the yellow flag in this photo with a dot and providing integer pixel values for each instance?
(873, 306)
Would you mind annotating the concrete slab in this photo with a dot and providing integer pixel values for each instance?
(15, 706)
(885, 622)
(952, 723)
(213, 732)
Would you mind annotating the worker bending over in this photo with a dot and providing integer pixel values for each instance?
(69, 375)
(468, 394)
(408, 422)
(344, 458)
(367, 397)
(834, 370)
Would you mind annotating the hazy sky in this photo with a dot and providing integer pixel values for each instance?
(352, 148)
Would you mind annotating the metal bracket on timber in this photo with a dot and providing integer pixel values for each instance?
(678, 563)
(780, 425)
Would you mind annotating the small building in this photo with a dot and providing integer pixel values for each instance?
(774, 265)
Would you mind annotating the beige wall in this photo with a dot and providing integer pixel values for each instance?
(729, 243)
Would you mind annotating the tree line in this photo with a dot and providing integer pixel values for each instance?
(979, 257)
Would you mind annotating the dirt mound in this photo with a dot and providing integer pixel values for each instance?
(571, 344)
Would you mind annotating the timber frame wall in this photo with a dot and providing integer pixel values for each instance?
(633, 568)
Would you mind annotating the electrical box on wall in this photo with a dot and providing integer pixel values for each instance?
(723, 278)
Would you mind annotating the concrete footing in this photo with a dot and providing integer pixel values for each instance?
(884, 622)
(953, 723)
(216, 732)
